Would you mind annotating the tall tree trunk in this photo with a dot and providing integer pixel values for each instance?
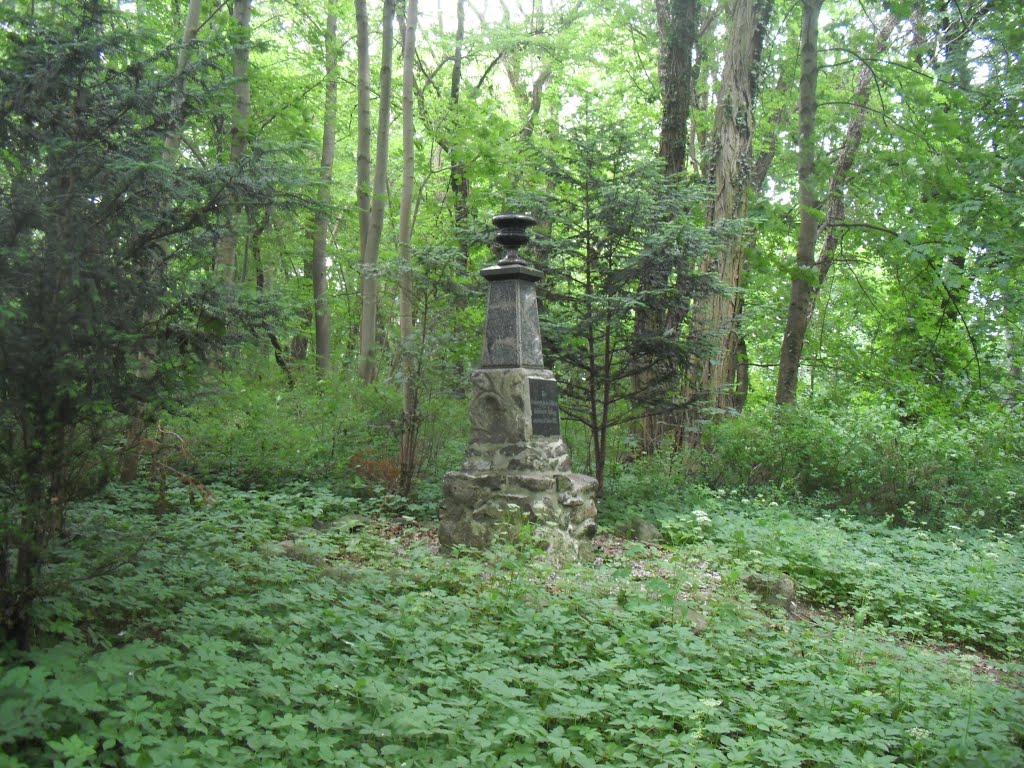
(804, 277)
(320, 308)
(368, 291)
(811, 272)
(228, 243)
(363, 124)
(458, 181)
(716, 378)
(173, 140)
(677, 32)
(410, 385)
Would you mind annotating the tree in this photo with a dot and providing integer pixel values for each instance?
(371, 250)
(363, 131)
(677, 32)
(718, 376)
(188, 38)
(613, 218)
(104, 304)
(900, 300)
(803, 276)
(410, 394)
(321, 312)
(677, 29)
(227, 246)
(458, 181)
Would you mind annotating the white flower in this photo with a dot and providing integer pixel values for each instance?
(711, 703)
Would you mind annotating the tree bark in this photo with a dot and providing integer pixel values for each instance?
(677, 32)
(812, 272)
(410, 387)
(320, 308)
(227, 244)
(716, 378)
(363, 124)
(805, 278)
(368, 290)
(458, 182)
(173, 140)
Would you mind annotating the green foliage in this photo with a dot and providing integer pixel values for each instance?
(252, 431)
(653, 487)
(285, 629)
(104, 309)
(873, 459)
(950, 586)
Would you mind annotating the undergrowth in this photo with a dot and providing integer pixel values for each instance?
(955, 586)
(876, 459)
(299, 628)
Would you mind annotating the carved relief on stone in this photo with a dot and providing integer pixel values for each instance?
(497, 408)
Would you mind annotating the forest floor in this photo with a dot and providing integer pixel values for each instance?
(299, 627)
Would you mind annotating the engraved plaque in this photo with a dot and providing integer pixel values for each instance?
(544, 408)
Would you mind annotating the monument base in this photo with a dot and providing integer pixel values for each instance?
(558, 508)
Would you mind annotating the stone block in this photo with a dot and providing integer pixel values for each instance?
(480, 506)
(536, 482)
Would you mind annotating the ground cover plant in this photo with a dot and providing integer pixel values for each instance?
(954, 585)
(298, 627)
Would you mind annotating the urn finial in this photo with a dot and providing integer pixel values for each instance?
(512, 235)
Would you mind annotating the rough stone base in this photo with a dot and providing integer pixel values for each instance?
(548, 456)
(483, 506)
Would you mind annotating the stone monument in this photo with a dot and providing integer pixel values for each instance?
(517, 468)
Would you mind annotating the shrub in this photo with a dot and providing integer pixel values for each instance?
(870, 458)
(252, 431)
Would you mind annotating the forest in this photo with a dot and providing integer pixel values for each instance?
(241, 301)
